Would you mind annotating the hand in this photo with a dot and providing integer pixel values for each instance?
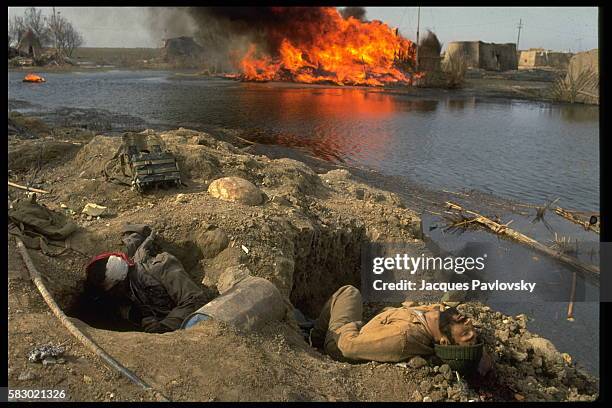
(153, 234)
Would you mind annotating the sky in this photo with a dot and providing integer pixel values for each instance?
(556, 28)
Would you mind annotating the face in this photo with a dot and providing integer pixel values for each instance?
(463, 332)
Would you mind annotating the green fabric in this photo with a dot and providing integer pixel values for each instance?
(38, 218)
(460, 358)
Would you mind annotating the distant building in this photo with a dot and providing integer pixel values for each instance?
(583, 70)
(488, 56)
(29, 45)
(539, 57)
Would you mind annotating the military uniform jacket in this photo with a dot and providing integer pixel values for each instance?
(159, 285)
(396, 334)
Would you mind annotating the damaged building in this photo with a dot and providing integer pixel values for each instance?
(29, 45)
(539, 57)
(488, 56)
(181, 49)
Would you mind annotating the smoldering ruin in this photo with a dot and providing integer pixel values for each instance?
(225, 33)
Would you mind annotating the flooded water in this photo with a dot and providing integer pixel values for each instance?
(522, 150)
(526, 151)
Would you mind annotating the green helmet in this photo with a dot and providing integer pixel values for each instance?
(464, 359)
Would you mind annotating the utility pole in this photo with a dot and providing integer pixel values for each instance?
(518, 38)
(417, 38)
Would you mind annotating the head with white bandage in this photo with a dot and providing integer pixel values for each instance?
(108, 271)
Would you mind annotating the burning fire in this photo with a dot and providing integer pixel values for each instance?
(336, 50)
(33, 78)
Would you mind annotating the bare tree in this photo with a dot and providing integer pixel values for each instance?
(35, 21)
(65, 36)
(16, 29)
(72, 39)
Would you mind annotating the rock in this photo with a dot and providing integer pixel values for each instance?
(427, 399)
(416, 396)
(445, 370)
(212, 242)
(567, 358)
(26, 375)
(181, 198)
(425, 386)
(341, 174)
(536, 361)
(518, 356)
(438, 395)
(282, 274)
(544, 348)
(87, 379)
(280, 200)
(236, 189)
(502, 335)
(417, 362)
(94, 210)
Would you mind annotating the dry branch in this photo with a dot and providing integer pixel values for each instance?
(587, 270)
(571, 217)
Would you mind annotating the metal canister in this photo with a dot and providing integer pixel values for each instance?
(247, 305)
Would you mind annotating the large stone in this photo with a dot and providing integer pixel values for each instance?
(235, 189)
(417, 362)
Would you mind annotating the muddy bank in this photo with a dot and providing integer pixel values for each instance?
(305, 238)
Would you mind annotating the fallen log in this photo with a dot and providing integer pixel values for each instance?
(590, 271)
(571, 217)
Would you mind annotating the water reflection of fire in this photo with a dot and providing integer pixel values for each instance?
(338, 50)
(328, 139)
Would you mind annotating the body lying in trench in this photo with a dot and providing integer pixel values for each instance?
(151, 289)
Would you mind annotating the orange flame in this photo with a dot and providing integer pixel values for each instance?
(33, 78)
(343, 52)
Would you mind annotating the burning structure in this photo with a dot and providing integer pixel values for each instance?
(332, 49)
(305, 44)
(181, 48)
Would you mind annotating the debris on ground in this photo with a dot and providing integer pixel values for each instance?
(94, 210)
(46, 352)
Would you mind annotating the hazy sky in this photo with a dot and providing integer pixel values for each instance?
(556, 28)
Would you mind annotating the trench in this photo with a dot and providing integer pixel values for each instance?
(324, 260)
